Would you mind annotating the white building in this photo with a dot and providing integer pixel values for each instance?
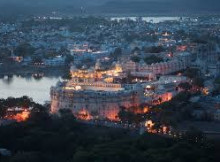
(97, 100)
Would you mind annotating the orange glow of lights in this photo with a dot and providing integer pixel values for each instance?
(149, 125)
(141, 110)
(146, 109)
(20, 117)
(205, 91)
(84, 115)
(170, 96)
(164, 129)
(164, 98)
(113, 116)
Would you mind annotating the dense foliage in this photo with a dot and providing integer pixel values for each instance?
(24, 102)
(153, 59)
(60, 139)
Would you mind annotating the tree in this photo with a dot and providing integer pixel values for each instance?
(199, 82)
(185, 86)
(82, 156)
(181, 97)
(194, 136)
(39, 114)
(217, 80)
(191, 72)
(153, 59)
(4, 54)
(130, 117)
(37, 59)
(24, 102)
(116, 54)
(24, 49)
(135, 59)
(26, 157)
(154, 49)
(69, 59)
(67, 75)
(66, 114)
(136, 49)
(3, 111)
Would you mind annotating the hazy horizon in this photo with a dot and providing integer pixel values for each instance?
(168, 7)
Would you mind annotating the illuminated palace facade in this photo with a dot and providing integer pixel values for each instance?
(95, 93)
(182, 61)
(91, 94)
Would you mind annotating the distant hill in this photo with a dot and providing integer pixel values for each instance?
(16, 7)
(162, 6)
(135, 7)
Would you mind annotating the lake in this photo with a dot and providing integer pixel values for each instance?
(38, 89)
(148, 19)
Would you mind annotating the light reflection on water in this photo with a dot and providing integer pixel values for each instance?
(38, 89)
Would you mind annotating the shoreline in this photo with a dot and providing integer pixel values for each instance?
(29, 71)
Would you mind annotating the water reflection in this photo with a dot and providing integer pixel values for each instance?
(8, 79)
(36, 88)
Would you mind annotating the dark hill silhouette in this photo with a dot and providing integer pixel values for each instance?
(16, 7)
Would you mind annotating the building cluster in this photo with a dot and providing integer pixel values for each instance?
(93, 94)
(97, 93)
(162, 68)
(116, 62)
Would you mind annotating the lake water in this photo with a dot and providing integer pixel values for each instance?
(148, 19)
(38, 89)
